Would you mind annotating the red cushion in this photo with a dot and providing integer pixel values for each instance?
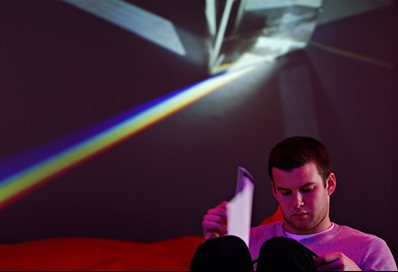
(98, 254)
(103, 254)
(277, 216)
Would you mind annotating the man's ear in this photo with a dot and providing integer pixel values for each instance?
(273, 189)
(331, 183)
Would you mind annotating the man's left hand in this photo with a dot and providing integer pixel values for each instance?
(337, 261)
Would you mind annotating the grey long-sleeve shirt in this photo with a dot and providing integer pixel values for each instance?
(368, 251)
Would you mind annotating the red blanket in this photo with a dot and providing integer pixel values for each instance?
(99, 254)
(102, 254)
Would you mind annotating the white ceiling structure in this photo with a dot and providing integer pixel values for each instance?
(240, 32)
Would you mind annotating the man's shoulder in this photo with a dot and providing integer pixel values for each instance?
(378, 254)
(353, 234)
(346, 230)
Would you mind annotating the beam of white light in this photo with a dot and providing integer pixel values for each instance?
(134, 19)
(210, 11)
(267, 4)
(221, 32)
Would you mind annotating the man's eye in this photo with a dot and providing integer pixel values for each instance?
(307, 190)
(285, 193)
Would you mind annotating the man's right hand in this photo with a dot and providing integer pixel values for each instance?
(214, 222)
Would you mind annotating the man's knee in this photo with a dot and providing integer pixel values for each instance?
(281, 253)
(223, 253)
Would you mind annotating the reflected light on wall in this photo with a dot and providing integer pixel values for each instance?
(22, 181)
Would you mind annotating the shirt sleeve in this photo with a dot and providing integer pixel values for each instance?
(378, 257)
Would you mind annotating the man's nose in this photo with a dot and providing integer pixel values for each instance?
(297, 200)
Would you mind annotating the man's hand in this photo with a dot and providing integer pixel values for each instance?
(337, 261)
(214, 222)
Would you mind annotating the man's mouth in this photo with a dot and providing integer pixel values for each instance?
(300, 214)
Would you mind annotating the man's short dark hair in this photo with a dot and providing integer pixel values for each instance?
(297, 151)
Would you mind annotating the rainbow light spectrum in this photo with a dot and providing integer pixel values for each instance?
(16, 182)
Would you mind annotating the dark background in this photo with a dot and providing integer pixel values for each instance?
(62, 69)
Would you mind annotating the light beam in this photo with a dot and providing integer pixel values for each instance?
(22, 181)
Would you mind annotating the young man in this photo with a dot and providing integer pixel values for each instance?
(302, 183)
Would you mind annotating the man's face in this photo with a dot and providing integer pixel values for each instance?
(303, 198)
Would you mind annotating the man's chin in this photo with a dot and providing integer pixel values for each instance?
(298, 227)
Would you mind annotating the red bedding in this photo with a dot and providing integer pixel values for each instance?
(102, 254)
(98, 254)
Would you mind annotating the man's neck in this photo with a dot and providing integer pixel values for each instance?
(325, 225)
(300, 237)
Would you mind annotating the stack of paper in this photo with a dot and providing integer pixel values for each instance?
(239, 209)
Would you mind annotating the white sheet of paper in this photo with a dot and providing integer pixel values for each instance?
(239, 209)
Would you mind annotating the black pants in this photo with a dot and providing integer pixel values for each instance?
(231, 253)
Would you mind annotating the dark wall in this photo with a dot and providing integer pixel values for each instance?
(394, 113)
(63, 70)
(356, 115)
